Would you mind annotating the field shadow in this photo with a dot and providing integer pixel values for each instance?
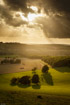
(33, 72)
(20, 85)
(13, 84)
(23, 86)
(36, 86)
(62, 69)
(48, 78)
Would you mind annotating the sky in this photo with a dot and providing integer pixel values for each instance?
(35, 21)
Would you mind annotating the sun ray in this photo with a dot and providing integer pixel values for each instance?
(31, 17)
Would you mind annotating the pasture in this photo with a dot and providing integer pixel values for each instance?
(54, 86)
(55, 82)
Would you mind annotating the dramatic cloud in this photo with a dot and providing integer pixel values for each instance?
(53, 5)
(58, 23)
(18, 5)
(8, 17)
(55, 27)
(54, 22)
(58, 5)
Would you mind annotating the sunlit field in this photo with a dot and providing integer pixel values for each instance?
(55, 83)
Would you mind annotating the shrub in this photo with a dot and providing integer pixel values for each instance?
(25, 80)
(45, 69)
(5, 61)
(2, 62)
(34, 69)
(11, 61)
(18, 61)
(35, 79)
(14, 81)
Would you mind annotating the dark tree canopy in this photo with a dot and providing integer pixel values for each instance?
(45, 69)
(35, 79)
(11, 61)
(25, 80)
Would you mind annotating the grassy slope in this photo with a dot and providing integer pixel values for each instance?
(29, 98)
(55, 82)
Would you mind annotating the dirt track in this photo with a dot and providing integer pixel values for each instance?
(26, 65)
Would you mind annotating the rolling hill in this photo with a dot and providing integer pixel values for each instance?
(34, 50)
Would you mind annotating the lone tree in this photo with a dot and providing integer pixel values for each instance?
(25, 80)
(35, 79)
(45, 69)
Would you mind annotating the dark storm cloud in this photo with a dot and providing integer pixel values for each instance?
(53, 5)
(57, 26)
(4, 12)
(13, 5)
(8, 18)
(18, 5)
(57, 5)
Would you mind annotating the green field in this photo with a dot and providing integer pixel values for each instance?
(55, 86)
(57, 81)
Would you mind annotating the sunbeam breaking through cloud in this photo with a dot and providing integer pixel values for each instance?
(48, 19)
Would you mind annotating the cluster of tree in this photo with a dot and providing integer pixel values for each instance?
(57, 61)
(62, 63)
(11, 61)
(25, 80)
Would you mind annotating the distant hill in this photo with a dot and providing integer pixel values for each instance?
(34, 50)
